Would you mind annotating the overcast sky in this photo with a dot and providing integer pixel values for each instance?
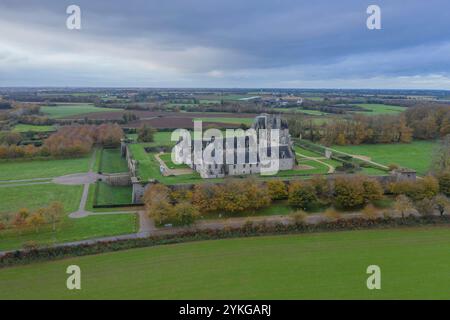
(226, 43)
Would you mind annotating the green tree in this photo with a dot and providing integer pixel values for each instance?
(145, 134)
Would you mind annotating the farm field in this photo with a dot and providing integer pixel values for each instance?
(16, 170)
(73, 109)
(307, 266)
(33, 128)
(415, 155)
(377, 109)
(247, 121)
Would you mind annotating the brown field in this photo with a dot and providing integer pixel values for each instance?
(174, 123)
(161, 119)
(146, 115)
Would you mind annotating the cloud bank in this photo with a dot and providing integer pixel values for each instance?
(233, 43)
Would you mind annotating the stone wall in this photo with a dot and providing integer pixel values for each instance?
(117, 179)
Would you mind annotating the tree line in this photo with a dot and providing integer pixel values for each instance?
(70, 141)
(357, 192)
(25, 219)
(420, 122)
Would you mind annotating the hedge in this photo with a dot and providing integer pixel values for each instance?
(248, 230)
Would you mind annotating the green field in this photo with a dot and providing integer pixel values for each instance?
(160, 138)
(33, 128)
(167, 158)
(109, 195)
(148, 167)
(414, 265)
(377, 109)
(16, 170)
(40, 195)
(73, 109)
(37, 196)
(112, 161)
(415, 155)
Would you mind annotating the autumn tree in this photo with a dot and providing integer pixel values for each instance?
(204, 197)
(301, 195)
(348, 192)
(441, 203)
(403, 204)
(372, 190)
(277, 189)
(20, 218)
(444, 182)
(441, 156)
(185, 213)
(109, 135)
(425, 207)
(427, 187)
(54, 214)
(161, 211)
(36, 219)
(156, 192)
(158, 206)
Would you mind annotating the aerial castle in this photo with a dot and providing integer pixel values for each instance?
(249, 165)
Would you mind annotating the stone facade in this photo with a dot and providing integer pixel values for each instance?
(224, 168)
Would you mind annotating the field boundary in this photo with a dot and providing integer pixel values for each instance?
(97, 246)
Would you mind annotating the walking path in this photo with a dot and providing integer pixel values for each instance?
(318, 159)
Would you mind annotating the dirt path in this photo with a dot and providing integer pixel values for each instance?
(331, 169)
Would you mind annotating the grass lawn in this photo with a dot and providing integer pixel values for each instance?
(37, 196)
(16, 170)
(73, 109)
(160, 138)
(415, 155)
(167, 158)
(33, 128)
(414, 264)
(148, 168)
(112, 161)
(377, 109)
(113, 195)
